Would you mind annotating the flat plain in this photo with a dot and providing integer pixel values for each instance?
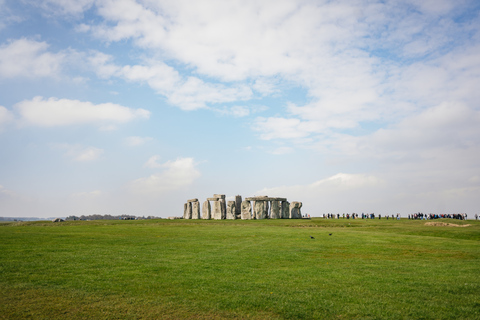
(236, 269)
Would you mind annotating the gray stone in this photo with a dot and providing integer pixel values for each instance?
(246, 210)
(213, 199)
(238, 204)
(195, 210)
(231, 210)
(275, 211)
(295, 212)
(188, 211)
(224, 208)
(192, 200)
(263, 198)
(185, 205)
(217, 210)
(260, 212)
(285, 210)
(206, 210)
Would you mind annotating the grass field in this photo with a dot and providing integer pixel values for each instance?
(264, 269)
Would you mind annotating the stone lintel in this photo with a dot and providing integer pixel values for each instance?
(265, 198)
(213, 199)
(193, 200)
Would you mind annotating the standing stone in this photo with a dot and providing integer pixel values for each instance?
(275, 211)
(246, 210)
(238, 205)
(217, 210)
(185, 205)
(224, 204)
(231, 210)
(206, 210)
(295, 212)
(188, 215)
(285, 210)
(267, 214)
(260, 210)
(195, 210)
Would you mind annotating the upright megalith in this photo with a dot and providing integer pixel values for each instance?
(206, 210)
(185, 210)
(285, 210)
(195, 210)
(231, 210)
(188, 211)
(246, 210)
(221, 198)
(238, 205)
(275, 210)
(295, 212)
(260, 212)
(217, 210)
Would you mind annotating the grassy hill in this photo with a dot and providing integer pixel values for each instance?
(265, 269)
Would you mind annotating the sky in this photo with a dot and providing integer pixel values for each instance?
(134, 106)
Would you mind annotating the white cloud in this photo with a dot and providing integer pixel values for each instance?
(280, 128)
(63, 7)
(152, 162)
(30, 59)
(188, 93)
(177, 174)
(53, 112)
(5, 192)
(137, 141)
(282, 150)
(5, 116)
(88, 195)
(80, 153)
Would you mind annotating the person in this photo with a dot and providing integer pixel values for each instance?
(476, 216)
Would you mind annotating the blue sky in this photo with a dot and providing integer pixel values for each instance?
(133, 107)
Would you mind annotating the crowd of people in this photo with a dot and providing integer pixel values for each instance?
(414, 216)
(431, 216)
(356, 216)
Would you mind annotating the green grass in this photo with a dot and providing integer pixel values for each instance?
(266, 269)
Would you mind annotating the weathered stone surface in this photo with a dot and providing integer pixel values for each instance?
(295, 212)
(275, 211)
(185, 210)
(189, 209)
(188, 213)
(246, 210)
(195, 210)
(206, 210)
(285, 209)
(260, 212)
(220, 196)
(192, 200)
(213, 199)
(217, 210)
(238, 204)
(265, 198)
(231, 210)
(224, 207)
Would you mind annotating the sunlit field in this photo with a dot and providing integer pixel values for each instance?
(258, 269)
